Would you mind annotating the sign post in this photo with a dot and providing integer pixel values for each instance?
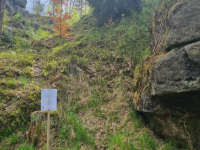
(48, 130)
(48, 102)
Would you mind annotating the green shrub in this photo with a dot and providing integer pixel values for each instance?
(6, 18)
(135, 42)
(18, 18)
(29, 23)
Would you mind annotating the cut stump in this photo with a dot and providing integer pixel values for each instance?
(37, 132)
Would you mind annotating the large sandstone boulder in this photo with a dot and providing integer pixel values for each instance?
(20, 10)
(176, 23)
(17, 6)
(21, 3)
(10, 6)
(184, 24)
(169, 85)
(176, 79)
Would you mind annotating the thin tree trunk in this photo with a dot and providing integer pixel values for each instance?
(85, 7)
(39, 13)
(53, 9)
(2, 9)
(61, 5)
(81, 7)
(33, 6)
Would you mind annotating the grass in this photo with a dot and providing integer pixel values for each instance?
(27, 147)
(13, 137)
(118, 141)
(23, 80)
(72, 132)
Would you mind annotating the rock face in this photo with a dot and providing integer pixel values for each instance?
(184, 23)
(20, 10)
(176, 79)
(169, 93)
(21, 3)
(10, 6)
(17, 6)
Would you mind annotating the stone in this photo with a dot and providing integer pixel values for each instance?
(184, 24)
(20, 10)
(176, 79)
(12, 52)
(169, 89)
(7, 34)
(17, 6)
(10, 6)
(176, 23)
(51, 22)
(21, 3)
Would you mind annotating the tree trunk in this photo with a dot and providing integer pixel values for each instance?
(61, 5)
(85, 7)
(53, 9)
(39, 13)
(2, 9)
(81, 1)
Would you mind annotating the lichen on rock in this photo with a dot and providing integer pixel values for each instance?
(172, 99)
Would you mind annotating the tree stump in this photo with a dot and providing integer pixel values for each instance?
(37, 133)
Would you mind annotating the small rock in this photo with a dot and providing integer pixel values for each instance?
(113, 126)
(12, 52)
(51, 22)
(36, 25)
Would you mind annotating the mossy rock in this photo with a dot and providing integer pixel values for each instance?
(37, 132)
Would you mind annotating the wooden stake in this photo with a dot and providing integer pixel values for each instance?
(48, 129)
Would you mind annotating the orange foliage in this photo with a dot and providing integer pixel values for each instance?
(60, 19)
(110, 23)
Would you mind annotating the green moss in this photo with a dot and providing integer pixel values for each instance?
(142, 77)
(28, 72)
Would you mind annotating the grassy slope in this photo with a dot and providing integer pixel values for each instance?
(96, 108)
(102, 96)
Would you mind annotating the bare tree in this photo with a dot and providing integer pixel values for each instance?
(2, 9)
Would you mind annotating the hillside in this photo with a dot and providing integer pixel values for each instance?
(102, 75)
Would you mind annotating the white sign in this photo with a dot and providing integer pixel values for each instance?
(49, 99)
